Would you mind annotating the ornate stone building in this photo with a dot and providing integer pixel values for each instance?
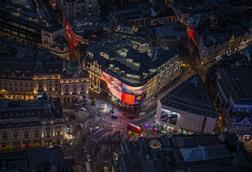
(25, 124)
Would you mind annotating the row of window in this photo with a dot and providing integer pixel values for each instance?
(15, 84)
(30, 87)
(26, 134)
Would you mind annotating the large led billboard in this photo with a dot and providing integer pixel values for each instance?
(126, 94)
(114, 85)
(168, 116)
(72, 37)
(128, 98)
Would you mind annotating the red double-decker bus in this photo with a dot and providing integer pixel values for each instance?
(134, 130)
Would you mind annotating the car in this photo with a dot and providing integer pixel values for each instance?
(90, 130)
(96, 128)
(84, 148)
(103, 107)
(142, 114)
(82, 109)
(88, 158)
(113, 116)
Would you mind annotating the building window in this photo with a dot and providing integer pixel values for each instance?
(15, 135)
(48, 132)
(58, 129)
(36, 133)
(5, 136)
(26, 134)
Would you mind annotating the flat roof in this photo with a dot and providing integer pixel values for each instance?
(124, 55)
(35, 159)
(171, 30)
(236, 83)
(191, 96)
(205, 153)
(38, 15)
(21, 113)
(30, 60)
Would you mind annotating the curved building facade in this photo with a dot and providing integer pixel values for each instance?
(131, 74)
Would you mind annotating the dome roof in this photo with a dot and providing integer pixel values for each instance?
(73, 66)
(39, 69)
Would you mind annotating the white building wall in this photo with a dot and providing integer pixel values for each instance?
(189, 121)
(210, 125)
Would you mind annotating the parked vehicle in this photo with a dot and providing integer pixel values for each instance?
(141, 113)
(90, 130)
(82, 109)
(96, 128)
(88, 158)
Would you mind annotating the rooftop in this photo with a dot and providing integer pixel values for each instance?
(141, 35)
(84, 26)
(215, 22)
(124, 16)
(171, 30)
(191, 96)
(155, 9)
(39, 159)
(30, 60)
(183, 153)
(130, 62)
(73, 70)
(21, 113)
(213, 36)
(38, 15)
(194, 6)
(236, 83)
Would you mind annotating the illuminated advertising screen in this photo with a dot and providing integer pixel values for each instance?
(138, 92)
(125, 93)
(169, 116)
(192, 34)
(72, 37)
(128, 98)
(114, 85)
